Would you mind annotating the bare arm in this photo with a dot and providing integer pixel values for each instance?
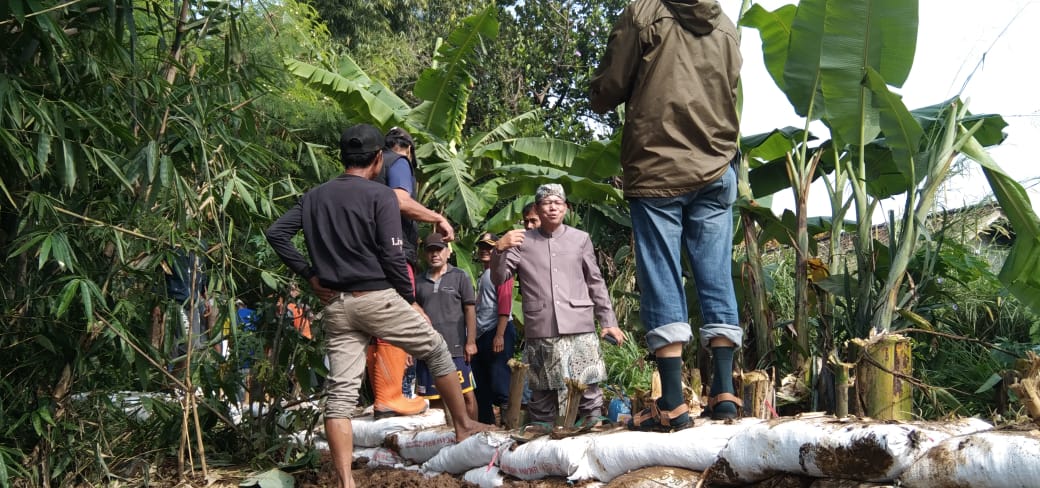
(418, 212)
(471, 332)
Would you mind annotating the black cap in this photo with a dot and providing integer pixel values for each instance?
(361, 139)
(434, 240)
(487, 239)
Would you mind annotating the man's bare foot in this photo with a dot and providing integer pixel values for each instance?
(463, 432)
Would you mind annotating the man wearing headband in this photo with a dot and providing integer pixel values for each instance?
(564, 295)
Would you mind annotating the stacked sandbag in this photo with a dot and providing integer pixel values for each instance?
(657, 477)
(999, 459)
(369, 432)
(419, 446)
(825, 447)
(477, 450)
(695, 448)
(485, 477)
(378, 457)
(544, 457)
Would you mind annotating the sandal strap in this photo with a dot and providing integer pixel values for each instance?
(667, 416)
(649, 413)
(725, 397)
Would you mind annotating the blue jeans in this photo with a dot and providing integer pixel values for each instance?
(700, 221)
(492, 373)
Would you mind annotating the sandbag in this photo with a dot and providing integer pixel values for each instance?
(479, 449)
(695, 448)
(657, 477)
(544, 457)
(369, 432)
(833, 483)
(419, 446)
(378, 457)
(825, 447)
(484, 477)
(992, 459)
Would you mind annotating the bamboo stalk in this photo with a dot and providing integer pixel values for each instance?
(516, 393)
(575, 390)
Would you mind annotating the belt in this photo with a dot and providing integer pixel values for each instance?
(356, 294)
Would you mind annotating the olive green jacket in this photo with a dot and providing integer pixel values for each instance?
(675, 64)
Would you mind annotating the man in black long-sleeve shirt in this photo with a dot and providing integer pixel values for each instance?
(352, 227)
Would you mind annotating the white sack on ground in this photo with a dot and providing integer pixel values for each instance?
(369, 432)
(825, 447)
(544, 457)
(832, 483)
(614, 454)
(657, 477)
(477, 450)
(484, 477)
(379, 457)
(418, 446)
(991, 459)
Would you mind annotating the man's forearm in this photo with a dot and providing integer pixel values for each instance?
(415, 210)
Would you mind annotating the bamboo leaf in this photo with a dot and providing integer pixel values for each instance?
(86, 297)
(68, 292)
(45, 252)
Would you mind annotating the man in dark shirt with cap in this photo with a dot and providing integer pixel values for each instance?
(446, 294)
(352, 230)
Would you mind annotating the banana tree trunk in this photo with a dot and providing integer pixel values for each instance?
(754, 281)
(882, 391)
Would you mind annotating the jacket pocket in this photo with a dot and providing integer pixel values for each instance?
(532, 305)
(581, 302)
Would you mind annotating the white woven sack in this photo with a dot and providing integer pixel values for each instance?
(695, 448)
(419, 446)
(992, 459)
(369, 432)
(484, 477)
(544, 457)
(825, 447)
(379, 457)
(477, 450)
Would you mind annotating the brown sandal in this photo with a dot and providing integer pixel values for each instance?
(653, 419)
(724, 397)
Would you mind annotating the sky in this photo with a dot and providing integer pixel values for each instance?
(986, 51)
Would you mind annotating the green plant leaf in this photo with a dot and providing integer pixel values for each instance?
(775, 30)
(445, 88)
(989, 384)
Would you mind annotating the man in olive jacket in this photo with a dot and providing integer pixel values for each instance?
(675, 66)
(563, 295)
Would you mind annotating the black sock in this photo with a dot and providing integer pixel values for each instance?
(722, 361)
(722, 379)
(671, 382)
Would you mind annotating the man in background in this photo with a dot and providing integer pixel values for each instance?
(496, 337)
(446, 294)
